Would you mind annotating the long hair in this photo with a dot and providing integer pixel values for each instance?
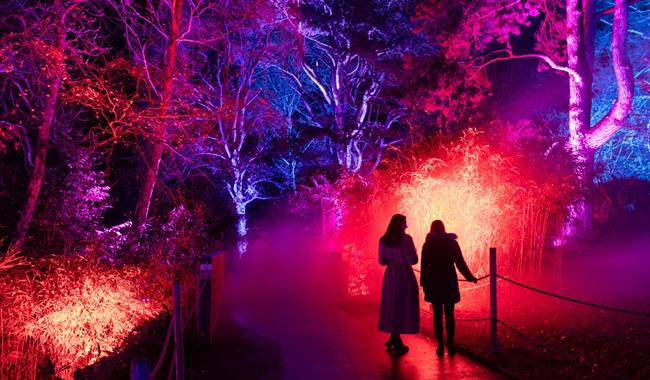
(437, 228)
(394, 232)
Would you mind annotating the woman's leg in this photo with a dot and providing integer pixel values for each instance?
(450, 326)
(437, 321)
(437, 327)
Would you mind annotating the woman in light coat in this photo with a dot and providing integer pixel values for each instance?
(399, 312)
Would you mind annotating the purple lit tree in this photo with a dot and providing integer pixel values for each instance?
(565, 40)
(234, 139)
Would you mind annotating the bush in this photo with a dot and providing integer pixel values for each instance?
(71, 311)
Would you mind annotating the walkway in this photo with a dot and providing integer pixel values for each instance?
(343, 343)
(322, 338)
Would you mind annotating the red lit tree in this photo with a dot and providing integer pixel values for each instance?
(45, 43)
(158, 35)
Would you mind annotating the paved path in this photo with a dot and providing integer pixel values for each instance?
(342, 342)
(320, 337)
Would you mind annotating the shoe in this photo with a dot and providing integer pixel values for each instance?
(451, 350)
(440, 351)
(401, 349)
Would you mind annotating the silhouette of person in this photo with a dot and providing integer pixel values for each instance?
(441, 255)
(399, 312)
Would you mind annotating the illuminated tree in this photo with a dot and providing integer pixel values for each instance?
(347, 57)
(235, 127)
(565, 42)
(43, 46)
(158, 35)
(626, 154)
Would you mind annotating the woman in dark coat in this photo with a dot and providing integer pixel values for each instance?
(399, 312)
(441, 256)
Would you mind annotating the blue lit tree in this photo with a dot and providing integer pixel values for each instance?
(627, 153)
(348, 54)
(235, 127)
(346, 65)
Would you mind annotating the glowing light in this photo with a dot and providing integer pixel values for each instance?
(479, 194)
(74, 310)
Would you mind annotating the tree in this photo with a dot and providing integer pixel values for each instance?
(42, 46)
(234, 136)
(627, 152)
(565, 43)
(347, 57)
(155, 33)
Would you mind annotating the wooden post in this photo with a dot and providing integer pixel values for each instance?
(204, 300)
(493, 300)
(140, 369)
(218, 282)
(178, 334)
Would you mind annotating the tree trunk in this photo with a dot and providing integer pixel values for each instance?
(584, 140)
(242, 229)
(36, 180)
(160, 130)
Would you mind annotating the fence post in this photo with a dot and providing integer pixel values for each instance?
(140, 369)
(218, 284)
(178, 334)
(204, 300)
(493, 300)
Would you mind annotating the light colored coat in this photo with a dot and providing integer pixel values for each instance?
(399, 312)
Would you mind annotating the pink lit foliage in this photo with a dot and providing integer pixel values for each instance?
(176, 242)
(9, 137)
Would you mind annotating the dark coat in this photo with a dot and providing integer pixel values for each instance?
(440, 256)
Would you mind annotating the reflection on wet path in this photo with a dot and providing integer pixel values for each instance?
(321, 336)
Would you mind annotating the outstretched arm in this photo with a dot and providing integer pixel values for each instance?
(461, 265)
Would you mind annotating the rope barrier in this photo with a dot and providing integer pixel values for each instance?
(472, 319)
(478, 279)
(193, 310)
(462, 279)
(637, 313)
(561, 353)
(475, 287)
(163, 353)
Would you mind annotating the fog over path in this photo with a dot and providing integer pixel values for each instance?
(289, 296)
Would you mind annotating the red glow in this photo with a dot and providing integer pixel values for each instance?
(483, 196)
(74, 310)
